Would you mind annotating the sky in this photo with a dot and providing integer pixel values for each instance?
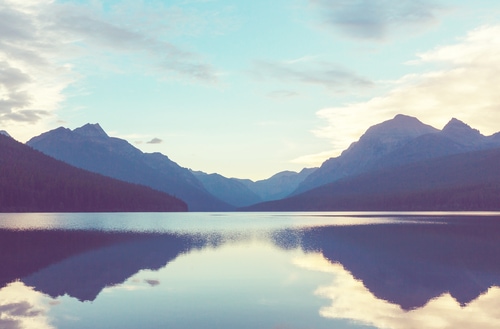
(246, 88)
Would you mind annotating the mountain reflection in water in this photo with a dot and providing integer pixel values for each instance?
(405, 272)
(410, 264)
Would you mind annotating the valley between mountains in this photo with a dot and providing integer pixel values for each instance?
(400, 164)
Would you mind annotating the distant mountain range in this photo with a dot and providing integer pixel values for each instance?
(403, 164)
(90, 148)
(399, 141)
(230, 190)
(33, 182)
(245, 192)
(279, 185)
(399, 164)
(469, 181)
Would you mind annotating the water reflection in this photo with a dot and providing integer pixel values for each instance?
(82, 263)
(23, 307)
(404, 272)
(84, 275)
(410, 264)
(350, 299)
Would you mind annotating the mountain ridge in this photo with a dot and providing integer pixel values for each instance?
(31, 181)
(230, 190)
(384, 144)
(91, 130)
(278, 185)
(463, 181)
(90, 148)
(393, 143)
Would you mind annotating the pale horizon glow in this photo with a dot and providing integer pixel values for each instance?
(246, 89)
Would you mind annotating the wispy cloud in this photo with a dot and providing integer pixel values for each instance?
(155, 141)
(464, 85)
(44, 41)
(377, 19)
(152, 282)
(328, 75)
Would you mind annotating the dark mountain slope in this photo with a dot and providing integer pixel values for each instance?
(33, 182)
(90, 148)
(467, 181)
(422, 148)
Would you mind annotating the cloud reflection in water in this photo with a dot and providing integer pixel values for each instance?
(350, 299)
(21, 307)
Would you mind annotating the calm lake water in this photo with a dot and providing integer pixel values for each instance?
(250, 270)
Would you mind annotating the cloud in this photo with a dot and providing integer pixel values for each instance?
(155, 141)
(31, 82)
(108, 33)
(377, 19)
(152, 283)
(327, 75)
(141, 30)
(30, 116)
(30, 86)
(463, 84)
(47, 46)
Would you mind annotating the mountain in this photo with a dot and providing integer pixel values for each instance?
(230, 190)
(90, 148)
(378, 141)
(245, 192)
(3, 132)
(462, 133)
(279, 185)
(395, 142)
(33, 182)
(464, 181)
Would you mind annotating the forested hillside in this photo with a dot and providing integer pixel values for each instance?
(33, 182)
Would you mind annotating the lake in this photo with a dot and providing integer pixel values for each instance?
(250, 270)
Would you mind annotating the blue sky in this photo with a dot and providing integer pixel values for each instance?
(246, 88)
